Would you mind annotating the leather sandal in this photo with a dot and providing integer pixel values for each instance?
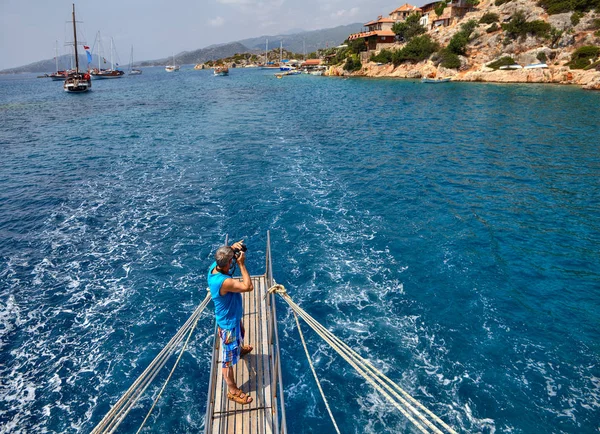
(239, 397)
(245, 350)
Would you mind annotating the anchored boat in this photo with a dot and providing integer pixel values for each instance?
(221, 71)
(77, 82)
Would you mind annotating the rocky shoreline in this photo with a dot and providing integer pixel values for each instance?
(589, 80)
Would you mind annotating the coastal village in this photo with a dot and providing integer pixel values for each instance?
(545, 57)
(514, 41)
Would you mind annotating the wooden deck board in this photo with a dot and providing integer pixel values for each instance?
(252, 373)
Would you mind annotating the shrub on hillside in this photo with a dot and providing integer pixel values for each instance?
(409, 28)
(576, 18)
(352, 63)
(468, 27)
(489, 18)
(357, 45)
(583, 57)
(560, 6)
(439, 9)
(340, 56)
(519, 27)
(418, 49)
(541, 56)
(384, 56)
(449, 59)
(539, 28)
(595, 65)
(458, 43)
(507, 60)
(595, 24)
(500, 2)
(492, 28)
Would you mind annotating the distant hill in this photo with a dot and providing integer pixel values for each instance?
(313, 40)
(297, 42)
(46, 66)
(200, 56)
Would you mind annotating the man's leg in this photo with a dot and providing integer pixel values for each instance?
(245, 349)
(230, 379)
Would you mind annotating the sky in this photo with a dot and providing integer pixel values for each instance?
(158, 28)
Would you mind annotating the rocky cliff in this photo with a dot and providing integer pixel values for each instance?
(485, 47)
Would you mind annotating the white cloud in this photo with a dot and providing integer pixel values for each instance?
(345, 13)
(216, 22)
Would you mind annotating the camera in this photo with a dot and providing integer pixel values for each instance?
(236, 252)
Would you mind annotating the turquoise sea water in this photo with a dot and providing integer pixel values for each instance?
(449, 233)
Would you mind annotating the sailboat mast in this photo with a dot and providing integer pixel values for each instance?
(266, 51)
(112, 66)
(98, 49)
(56, 51)
(280, 51)
(75, 41)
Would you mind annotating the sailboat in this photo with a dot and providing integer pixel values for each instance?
(173, 67)
(133, 71)
(77, 82)
(57, 75)
(107, 73)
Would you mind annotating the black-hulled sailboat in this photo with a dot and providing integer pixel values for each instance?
(77, 82)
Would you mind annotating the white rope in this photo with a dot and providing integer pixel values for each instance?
(117, 413)
(169, 377)
(369, 372)
(315, 374)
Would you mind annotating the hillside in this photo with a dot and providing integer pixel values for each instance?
(46, 66)
(559, 37)
(201, 55)
(311, 40)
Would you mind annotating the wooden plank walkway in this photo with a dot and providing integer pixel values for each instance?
(253, 374)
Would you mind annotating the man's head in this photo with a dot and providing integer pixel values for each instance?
(223, 256)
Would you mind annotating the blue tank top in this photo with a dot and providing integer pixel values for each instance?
(228, 307)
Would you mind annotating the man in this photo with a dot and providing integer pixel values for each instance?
(226, 295)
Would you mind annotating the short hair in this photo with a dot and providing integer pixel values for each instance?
(223, 256)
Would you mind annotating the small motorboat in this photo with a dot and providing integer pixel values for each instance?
(435, 80)
(511, 67)
(221, 71)
(536, 66)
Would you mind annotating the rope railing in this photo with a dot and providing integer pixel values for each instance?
(402, 400)
(119, 411)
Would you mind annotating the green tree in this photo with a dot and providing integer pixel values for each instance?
(449, 59)
(352, 63)
(409, 28)
(355, 46)
(519, 27)
(489, 18)
(560, 6)
(584, 57)
(439, 9)
(419, 48)
(458, 43)
(384, 56)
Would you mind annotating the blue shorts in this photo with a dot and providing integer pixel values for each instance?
(231, 345)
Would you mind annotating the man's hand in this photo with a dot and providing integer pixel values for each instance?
(238, 245)
(240, 256)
